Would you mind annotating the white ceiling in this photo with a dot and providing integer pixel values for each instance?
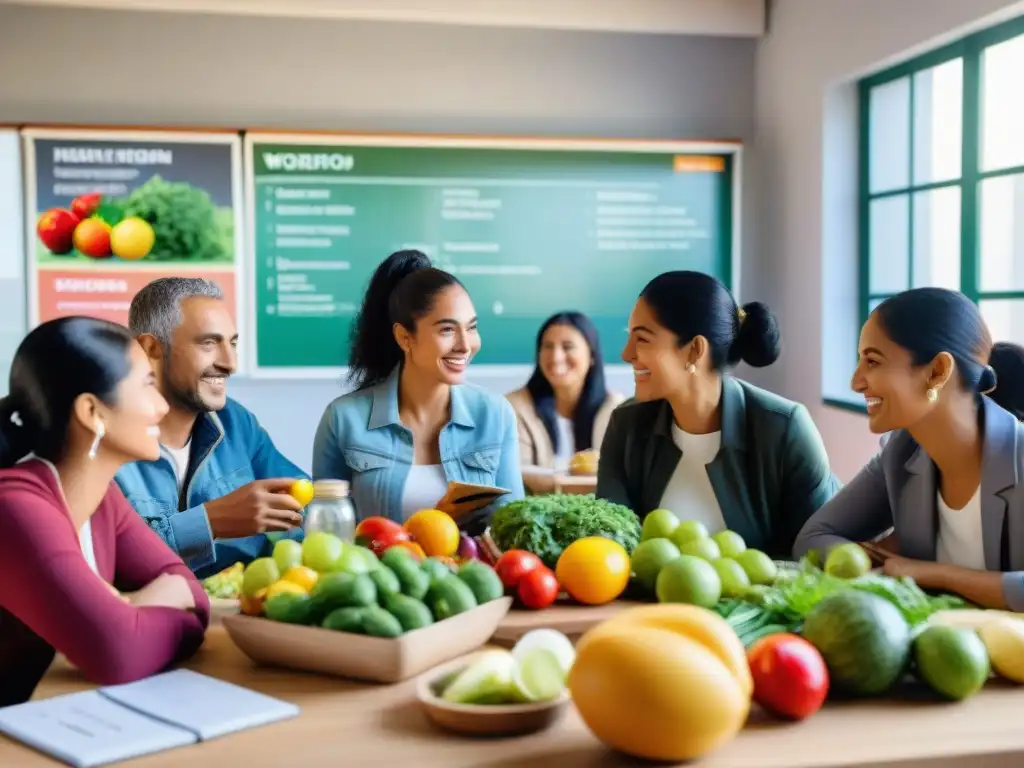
(737, 18)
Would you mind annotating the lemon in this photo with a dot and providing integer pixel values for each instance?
(282, 587)
(260, 573)
(302, 491)
(302, 576)
(132, 239)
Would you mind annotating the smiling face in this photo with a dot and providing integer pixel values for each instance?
(202, 355)
(659, 363)
(564, 357)
(444, 340)
(895, 390)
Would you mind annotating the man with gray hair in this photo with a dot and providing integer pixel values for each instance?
(220, 486)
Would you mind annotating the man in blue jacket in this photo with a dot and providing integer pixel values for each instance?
(220, 485)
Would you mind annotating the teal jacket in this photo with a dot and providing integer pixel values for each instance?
(229, 449)
(361, 439)
(771, 473)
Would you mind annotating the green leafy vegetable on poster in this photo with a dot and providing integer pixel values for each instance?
(111, 213)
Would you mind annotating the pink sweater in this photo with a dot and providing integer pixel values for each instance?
(51, 600)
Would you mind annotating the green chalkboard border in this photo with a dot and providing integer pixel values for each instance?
(730, 150)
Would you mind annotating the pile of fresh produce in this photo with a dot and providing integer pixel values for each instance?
(345, 587)
(547, 525)
(95, 229)
(226, 585)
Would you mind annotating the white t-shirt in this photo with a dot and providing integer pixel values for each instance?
(425, 485)
(960, 541)
(689, 494)
(179, 460)
(566, 443)
(88, 550)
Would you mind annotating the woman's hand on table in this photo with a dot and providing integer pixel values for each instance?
(928, 575)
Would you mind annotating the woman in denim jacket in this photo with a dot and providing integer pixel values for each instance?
(411, 425)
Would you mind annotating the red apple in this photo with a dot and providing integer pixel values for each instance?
(85, 206)
(92, 238)
(56, 230)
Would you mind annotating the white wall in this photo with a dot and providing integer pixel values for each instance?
(179, 69)
(806, 143)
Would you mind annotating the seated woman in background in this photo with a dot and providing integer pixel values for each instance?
(949, 480)
(565, 407)
(411, 425)
(700, 443)
(82, 402)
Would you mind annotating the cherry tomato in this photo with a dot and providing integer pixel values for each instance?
(373, 528)
(538, 588)
(790, 677)
(514, 564)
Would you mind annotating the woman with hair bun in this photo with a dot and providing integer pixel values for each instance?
(411, 426)
(949, 479)
(699, 442)
(82, 573)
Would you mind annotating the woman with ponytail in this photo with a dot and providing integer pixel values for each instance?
(83, 574)
(949, 480)
(699, 442)
(412, 425)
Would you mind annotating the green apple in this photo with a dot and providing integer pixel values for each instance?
(688, 530)
(730, 542)
(705, 549)
(659, 524)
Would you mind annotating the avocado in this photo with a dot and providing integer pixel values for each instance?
(379, 623)
(396, 554)
(343, 590)
(414, 580)
(449, 597)
(288, 608)
(345, 620)
(386, 581)
(411, 613)
(436, 569)
(482, 580)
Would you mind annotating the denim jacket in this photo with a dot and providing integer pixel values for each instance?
(360, 439)
(229, 450)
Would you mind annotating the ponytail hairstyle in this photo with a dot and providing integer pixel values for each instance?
(694, 304)
(401, 290)
(54, 365)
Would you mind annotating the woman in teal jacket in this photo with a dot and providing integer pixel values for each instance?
(411, 425)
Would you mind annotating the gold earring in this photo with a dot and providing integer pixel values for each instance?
(932, 394)
(691, 369)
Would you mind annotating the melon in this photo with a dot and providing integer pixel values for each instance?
(864, 640)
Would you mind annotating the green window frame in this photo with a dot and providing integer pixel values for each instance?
(970, 51)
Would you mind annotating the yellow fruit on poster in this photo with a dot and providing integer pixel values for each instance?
(132, 239)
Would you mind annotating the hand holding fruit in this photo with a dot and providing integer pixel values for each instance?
(260, 506)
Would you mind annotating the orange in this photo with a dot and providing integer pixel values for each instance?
(593, 570)
(302, 491)
(302, 576)
(132, 239)
(435, 531)
(252, 605)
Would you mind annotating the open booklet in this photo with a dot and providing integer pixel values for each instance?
(463, 498)
(120, 722)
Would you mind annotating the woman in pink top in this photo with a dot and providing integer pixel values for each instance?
(81, 573)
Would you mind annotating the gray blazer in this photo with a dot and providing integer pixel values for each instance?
(897, 489)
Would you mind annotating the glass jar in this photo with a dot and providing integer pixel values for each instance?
(331, 510)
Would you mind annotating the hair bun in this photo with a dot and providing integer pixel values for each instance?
(988, 380)
(758, 342)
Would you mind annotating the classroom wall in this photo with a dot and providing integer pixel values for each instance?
(806, 146)
(176, 69)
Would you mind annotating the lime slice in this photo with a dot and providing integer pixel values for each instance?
(550, 640)
(488, 680)
(539, 675)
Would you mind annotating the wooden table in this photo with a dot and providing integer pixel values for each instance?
(344, 723)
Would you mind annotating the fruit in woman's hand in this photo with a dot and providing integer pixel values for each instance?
(790, 677)
(92, 238)
(132, 239)
(847, 561)
(259, 574)
(85, 206)
(538, 588)
(301, 490)
(372, 528)
(662, 682)
(1004, 638)
(953, 661)
(321, 550)
(435, 531)
(56, 230)
(593, 570)
(513, 565)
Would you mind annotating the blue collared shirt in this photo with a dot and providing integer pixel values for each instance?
(230, 449)
(362, 440)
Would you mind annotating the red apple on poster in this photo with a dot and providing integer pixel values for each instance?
(56, 230)
(85, 206)
(92, 238)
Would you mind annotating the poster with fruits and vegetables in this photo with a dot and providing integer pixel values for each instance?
(110, 211)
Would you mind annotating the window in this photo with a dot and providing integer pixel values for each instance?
(942, 177)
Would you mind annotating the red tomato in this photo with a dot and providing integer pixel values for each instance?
(514, 564)
(56, 230)
(85, 206)
(381, 543)
(790, 677)
(538, 588)
(373, 528)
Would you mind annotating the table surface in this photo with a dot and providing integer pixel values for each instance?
(350, 723)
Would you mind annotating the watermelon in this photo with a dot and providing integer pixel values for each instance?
(864, 640)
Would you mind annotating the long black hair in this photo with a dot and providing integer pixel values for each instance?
(927, 321)
(694, 304)
(401, 290)
(56, 363)
(594, 389)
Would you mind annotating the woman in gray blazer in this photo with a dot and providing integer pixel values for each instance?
(949, 479)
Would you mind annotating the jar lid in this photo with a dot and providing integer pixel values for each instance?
(330, 489)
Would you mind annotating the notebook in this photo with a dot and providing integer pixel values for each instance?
(120, 722)
(463, 498)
